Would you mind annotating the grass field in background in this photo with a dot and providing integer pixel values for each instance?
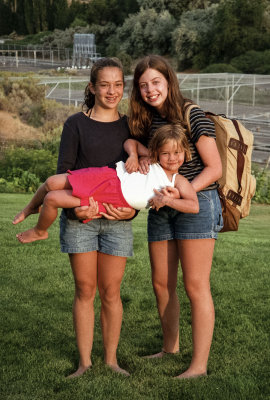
(38, 344)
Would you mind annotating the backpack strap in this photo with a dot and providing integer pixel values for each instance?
(240, 156)
(187, 108)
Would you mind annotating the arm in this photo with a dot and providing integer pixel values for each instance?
(212, 171)
(187, 201)
(134, 149)
(67, 159)
(68, 150)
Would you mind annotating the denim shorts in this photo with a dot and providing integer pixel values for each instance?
(168, 224)
(109, 237)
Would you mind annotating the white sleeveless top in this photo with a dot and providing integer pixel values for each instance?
(138, 188)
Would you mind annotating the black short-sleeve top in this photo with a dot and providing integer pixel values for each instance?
(200, 125)
(89, 143)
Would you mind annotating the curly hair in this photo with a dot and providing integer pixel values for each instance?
(89, 97)
(174, 132)
(140, 113)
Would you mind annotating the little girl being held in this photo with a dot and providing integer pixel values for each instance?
(121, 187)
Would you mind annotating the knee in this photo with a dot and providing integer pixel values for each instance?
(110, 295)
(50, 199)
(85, 291)
(197, 290)
(162, 289)
(50, 184)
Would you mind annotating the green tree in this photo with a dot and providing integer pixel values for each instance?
(101, 12)
(77, 11)
(145, 32)
(176, 7)
(238, 27)
(60, 13)
(192, 35)
(6, 18)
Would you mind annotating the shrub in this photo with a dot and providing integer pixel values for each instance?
(253, 62)
(217, 68)
(126, 61)
(42, 163)
(262, 175)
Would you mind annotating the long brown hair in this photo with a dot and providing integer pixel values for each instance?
(165, 133)
(89, 97)
(140, 113)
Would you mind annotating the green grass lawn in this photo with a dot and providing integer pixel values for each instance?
(38, 344)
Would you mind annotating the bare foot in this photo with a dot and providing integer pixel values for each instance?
(80, 371)
(161, 354)
(24, 214)
(118, 370)
(31, 235)
(190, 375)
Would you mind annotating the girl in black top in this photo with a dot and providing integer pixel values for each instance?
(98, 249)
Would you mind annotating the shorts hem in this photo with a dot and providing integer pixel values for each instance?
(75, 250)
(208, 235)
(105, 251)
(160, 238)
(116, 253)
(185, 236)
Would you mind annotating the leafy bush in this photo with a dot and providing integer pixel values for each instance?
(262, 176)
(253, 62)
(26, 183)
(42, 163)
(216, 68)
(25, 98)
(126, 61)
(55, 114)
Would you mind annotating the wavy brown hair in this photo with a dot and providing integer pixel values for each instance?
(140, 113)
(89, 97)
(163, 135)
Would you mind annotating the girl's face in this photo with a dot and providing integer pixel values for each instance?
(109, 88)
(153, 88)
(171, 156)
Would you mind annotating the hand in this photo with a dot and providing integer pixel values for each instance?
(144, 163)
(88, 212)
(171, 192)
(132, 164)
(158, 201)
(120, 213)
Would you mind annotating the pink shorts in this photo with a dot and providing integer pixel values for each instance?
(101, 183)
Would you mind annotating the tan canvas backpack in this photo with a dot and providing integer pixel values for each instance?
(237, 185)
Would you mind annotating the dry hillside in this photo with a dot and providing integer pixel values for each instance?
(11, 128)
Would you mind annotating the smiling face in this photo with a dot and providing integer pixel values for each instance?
(153, 88)
(171, 157)
(109, 87)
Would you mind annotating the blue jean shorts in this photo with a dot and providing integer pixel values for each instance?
(168, 224)
(109, 237)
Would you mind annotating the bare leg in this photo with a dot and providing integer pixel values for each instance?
(55, 182)
(196, 260)
(53, 200)
(84, 268)
(110, 273)
(164, 264)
